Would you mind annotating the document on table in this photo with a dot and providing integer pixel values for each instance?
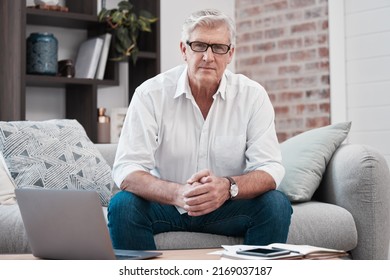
(296, 252)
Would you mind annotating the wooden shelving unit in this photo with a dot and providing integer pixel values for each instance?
(81, 94)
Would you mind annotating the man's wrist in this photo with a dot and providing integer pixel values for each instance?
(233, 188)
(228, 187)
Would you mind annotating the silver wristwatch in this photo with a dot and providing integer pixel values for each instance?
(233, 187)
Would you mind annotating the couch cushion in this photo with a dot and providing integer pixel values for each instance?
(7, 194)
(313, 223)
(13, 237)
(54, 154)
(191, 240)
(305, 158)
(323, 225)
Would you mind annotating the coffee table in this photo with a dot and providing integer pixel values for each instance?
(190, 254)
(185, 254)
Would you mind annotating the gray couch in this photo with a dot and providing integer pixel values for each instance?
(349, 211)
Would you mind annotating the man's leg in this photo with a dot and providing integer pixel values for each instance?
(133, 221)
(262, 220)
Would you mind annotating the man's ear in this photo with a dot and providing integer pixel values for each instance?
(183, 49)
(231, 53)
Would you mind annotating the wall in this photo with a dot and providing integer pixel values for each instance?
(360, 55)
(284, 46)
(367, 41)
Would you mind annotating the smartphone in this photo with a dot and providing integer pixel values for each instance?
(264, 252)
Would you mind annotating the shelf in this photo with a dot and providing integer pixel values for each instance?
(60, 19)
(147, 55)
(54, 81)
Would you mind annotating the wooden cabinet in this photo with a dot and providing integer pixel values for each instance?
(148, 63)
(81, 94)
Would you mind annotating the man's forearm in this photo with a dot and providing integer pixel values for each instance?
(254, 183)
(152, 188)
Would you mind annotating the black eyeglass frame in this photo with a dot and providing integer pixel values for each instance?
(209, 46)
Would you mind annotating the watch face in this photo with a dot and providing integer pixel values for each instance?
(233, 190)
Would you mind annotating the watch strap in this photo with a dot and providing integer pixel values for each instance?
(231, 180)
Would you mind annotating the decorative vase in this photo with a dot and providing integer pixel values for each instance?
(42, 54)
(103, 126)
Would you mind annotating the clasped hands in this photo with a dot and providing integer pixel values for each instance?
(204, 193)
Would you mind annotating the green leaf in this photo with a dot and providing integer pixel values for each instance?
(145, 14)
(134, 55)
(144, 26)
(123, 36)
(125, 5)
(117, 17)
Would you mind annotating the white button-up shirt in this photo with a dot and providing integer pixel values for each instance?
(164, 131)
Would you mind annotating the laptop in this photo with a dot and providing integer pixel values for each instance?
(69, 225)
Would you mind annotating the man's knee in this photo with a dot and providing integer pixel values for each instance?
(120, 200)
(127, 222)
(277, 205)
(125, 202)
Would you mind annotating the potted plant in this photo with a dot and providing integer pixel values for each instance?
(126, 26)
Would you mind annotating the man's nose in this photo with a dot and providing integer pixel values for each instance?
(208, 55)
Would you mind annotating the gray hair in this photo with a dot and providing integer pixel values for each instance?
(209, 18)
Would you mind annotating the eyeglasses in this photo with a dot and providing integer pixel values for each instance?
(197, 46)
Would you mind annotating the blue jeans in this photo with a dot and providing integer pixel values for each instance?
(133, 221)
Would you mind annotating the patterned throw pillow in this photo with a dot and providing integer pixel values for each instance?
(54, 154)
(7, 187)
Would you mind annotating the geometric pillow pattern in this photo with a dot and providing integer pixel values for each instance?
(54, 154)
(7, 188)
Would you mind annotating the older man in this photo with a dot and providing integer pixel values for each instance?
(198, 150)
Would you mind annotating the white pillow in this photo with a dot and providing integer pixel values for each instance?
(305, 157)
(7, 187)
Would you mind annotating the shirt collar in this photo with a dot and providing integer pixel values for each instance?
(183, 86)
(222, 87)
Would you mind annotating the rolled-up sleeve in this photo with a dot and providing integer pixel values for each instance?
(263, 149)
(138, 139)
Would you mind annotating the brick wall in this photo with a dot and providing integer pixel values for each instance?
(283, 44)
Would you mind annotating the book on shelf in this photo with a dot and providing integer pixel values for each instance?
(296, 252)
(88, 58)
(103, 56)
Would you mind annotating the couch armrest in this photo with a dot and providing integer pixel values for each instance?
(357, 179)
